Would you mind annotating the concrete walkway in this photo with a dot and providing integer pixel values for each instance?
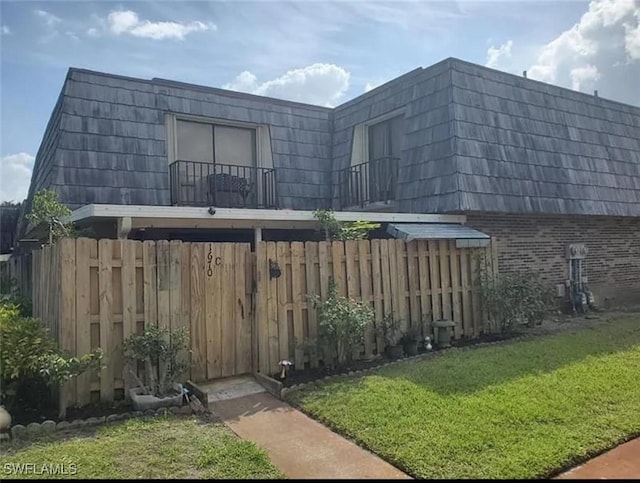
(299, 446)
(622, 462)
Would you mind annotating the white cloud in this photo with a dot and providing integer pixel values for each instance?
(49, 18)
(321, 84)
(632, 37)
(128, 22)
(93, 32)
(371, 85)
(5, 30)
(15, 176)
(496, 55)
(72, 36)
(601, 50)
(583, 76)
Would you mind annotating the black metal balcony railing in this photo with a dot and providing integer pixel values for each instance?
(223, 185)
(369, 182)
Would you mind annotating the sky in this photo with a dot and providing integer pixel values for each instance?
(320, 52)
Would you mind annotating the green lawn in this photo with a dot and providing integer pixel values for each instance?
(147, 448)
(521, 410)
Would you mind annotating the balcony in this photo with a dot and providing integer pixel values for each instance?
(223, 185)
(366, 184)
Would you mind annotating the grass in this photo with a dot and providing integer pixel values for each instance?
(521, 410)
(147, 448)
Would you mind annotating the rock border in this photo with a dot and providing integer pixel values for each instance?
(284, 391)
(49, 426)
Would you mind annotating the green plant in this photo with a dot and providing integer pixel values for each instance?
(343, 230)
(163, 352)
(412, 334)
(28, 353)
(47, 209)
(11, 295)
(341, 323)
(515, 298)
(390, 329)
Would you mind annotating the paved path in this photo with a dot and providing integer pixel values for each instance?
(622, 462)
(299, 446)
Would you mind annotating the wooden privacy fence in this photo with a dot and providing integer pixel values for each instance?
(96, 293)
(416, 282)
(241, 319)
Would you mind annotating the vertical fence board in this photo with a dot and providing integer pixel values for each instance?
(424, 276)
(149, 277)
(339, 267)
(467, 315)
(396, 303)
(434, 282)
(385, 270)
(105, 280)
(312, 276)
(198, 320)
(455, 288)
(225, 272)
(128, 274)
(175, 284)
(242, 323)
(283, 259)
(445, 279)
(67, 250)
(163, 283)
(83, 314)
(376, 276)
(401, 263)
(475, 293)
(297, 258)
(324, 255)
(262, 312)
(215, 302)
(185, 277)
(414, 286)
(366, 288)
(272, 305)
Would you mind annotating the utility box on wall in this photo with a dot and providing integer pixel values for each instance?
(577, 251)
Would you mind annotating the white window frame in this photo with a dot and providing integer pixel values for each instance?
(264, 157)
(360, 143)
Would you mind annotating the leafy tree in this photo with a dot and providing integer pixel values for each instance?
(343, 230)
(47, 209)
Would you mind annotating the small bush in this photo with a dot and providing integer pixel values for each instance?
(341, 323)
(390, 330)
(29, 354)
(511, 299)
(162, 352)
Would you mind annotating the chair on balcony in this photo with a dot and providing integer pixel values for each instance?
(230, 184)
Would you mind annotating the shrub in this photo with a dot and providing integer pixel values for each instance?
(510, 299)
(341, 230)
(47, 209)
(162, 351)
(28, 353)
(341, 323)
(390, 330)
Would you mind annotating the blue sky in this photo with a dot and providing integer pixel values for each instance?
(315, 51)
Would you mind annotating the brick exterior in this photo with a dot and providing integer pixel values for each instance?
(539, 243)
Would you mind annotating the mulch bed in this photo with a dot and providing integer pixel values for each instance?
(24, 415)
(313, 374)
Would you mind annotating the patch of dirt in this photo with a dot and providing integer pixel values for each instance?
(25, 415)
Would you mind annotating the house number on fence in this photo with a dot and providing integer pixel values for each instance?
(217, 261)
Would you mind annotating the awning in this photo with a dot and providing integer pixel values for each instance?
(465, 237)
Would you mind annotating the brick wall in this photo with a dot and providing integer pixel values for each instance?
(539, 243)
